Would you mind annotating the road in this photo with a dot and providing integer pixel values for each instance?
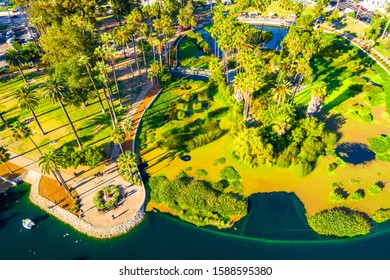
(349, 4)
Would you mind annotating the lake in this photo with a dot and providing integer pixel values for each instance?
(275, 228)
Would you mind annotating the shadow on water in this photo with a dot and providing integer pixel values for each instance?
(275, 216)
(355, 153)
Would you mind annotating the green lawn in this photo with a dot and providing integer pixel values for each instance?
(187, 55)
(92, 126)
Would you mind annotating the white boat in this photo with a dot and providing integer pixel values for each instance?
(28, 224)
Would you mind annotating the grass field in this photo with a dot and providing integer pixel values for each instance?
(314, 189)
(93, 127)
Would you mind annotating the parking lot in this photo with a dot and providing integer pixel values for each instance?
(15, 31)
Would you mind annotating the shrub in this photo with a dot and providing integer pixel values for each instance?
(304, 168)
(381, 215)
(338, 195)
(336, 185)
(358, 195)
(230, 174)
(197, 106)
(374, 189)
(372, 88)
(189, 168)
(218, 113)
(201, 172)
(181, 115)
(381, 146)
(340, 222)
(356, 87)
(375, 99)
(75, 206)
(362, 113)
(188, 97)
(182, 106)
(203, 139)
(358, 80)
(203, 96)
(332, 167)
(221, 160)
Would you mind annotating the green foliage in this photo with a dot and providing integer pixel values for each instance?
(380, 145)
(381, 215)
(361, 113)
(106, 198)
(374, 190)
(197, 203)
(75, 206)
(372, 88)
(221, 160)
(332, 167)
(203, 139)
(338, 195)
(251, 149)
(304, 168)
(230, 174)
(375, 99)
(340, 222)
(89, 156)
(358, 195)
(201, 172)
(199, 41)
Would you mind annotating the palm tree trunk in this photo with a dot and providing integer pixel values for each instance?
(9, 170)
(112, 103)
(136, 60)
(131, 64)
(116, 83)
(36, 120)
(143, 54)
(71, 125)
(385, 30)
(64, 183)
(94, 86)
(3, 120)
(21, 72)
(120, 146)
(109, 109)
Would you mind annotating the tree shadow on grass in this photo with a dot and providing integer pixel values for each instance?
(334, 122)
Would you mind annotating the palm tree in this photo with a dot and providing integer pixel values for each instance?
(387, 10)
(21, 131)
(48, 163)
(133, 22)
(28, 100)
(56, 91)
(118, 136)
(127, 125)
(121, 37)
(155, 69)
(127, 162)
(84, 60)
(282, 91)
(4, 157)
(14, 58)
(110, 52)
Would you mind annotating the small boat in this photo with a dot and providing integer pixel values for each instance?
(28, 224)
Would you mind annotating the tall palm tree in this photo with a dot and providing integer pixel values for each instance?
(110, 52)
(132, 25)
(14, 58)
(118, 136)
(127, 162)
(282, 91)
(127, 125)
(56, 91)
(155, 69)
(28, 100)
(387, 10)
(48, 163)
(84, 60)
(4, 157)
(21, 131)
(121, 37)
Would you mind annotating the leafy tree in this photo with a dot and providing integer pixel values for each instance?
(373, 32)
(4, 157)
(127, 162)
(22, 131)
(28, 100)
(56, 91)
(385, 30)
(118, 136)
(15, 58)
(186, 15)
(282, 92)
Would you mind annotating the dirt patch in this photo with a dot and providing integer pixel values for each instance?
(49, 188)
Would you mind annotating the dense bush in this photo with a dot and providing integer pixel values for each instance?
(375, 99)
(340, 222)
(358, 195)
(358, 80)
(372, 88)
(112, 192)
(332, 167)
(338, 195)
(199, 41)
(201, 172)
(361, 113)
(230, 174)
(374, 189)
(380, 145)
(381, 215)
(197, 203)
(89, 156)
(203, 139)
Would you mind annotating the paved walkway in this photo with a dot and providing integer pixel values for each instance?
(87, 187)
